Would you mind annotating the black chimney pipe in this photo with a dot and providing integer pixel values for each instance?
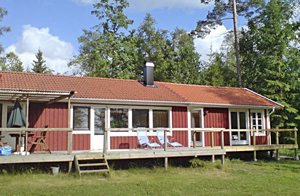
(149, 74)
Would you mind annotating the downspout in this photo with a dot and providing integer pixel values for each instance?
(273, 110)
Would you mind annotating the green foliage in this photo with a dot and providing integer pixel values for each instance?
(106, 51)
(39, 65)
(271, 58)
(110, 49)
(222, 11)
(3, 29)
(11, 62)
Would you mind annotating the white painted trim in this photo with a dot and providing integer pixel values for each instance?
(150, 112)
(265, 97)
(256, 133)
(238, 110)
(130, 118)
(202, 126)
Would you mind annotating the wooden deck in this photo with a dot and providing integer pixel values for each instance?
(140, 153)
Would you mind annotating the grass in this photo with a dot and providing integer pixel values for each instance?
(235, 178)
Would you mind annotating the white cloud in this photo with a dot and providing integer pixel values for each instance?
(56, 52)
(148, 5)
(211, 43)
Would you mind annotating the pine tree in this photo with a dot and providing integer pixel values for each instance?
(39, 65)
(271, 58)
(3, 29)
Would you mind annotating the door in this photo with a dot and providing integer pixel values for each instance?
(239, 122)
(196, 117)
(97, 131)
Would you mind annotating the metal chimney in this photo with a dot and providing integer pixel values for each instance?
(148, 74)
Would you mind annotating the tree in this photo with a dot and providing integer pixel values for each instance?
(154, 46)
(271, 58)
(39, 65)
(185, 67)
(3, 29)
(106, 49)
(11, 62)
(221, 10)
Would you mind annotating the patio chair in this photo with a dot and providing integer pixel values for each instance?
(161, 139)
(40, 140)
(144, 140)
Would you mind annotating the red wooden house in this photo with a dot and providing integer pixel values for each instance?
(97, 104)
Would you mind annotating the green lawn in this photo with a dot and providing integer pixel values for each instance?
(235, 178)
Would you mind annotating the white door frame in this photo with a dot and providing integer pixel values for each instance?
(238, 121)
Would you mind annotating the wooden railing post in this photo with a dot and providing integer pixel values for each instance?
(254, 144)
(277, 145)
(70, 142)
(194, 138)
(212, 145)
(105, 134)
(222, 146)
(296, 142)
(165, 149)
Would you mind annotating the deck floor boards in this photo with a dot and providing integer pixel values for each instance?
(139, 153)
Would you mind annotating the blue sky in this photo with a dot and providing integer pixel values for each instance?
(54, 25)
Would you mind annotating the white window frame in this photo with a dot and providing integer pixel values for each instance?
(258, 133)
(238, 121)
(189, 117)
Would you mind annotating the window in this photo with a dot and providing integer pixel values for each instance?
(118, 118)
(257, 122)
(140, 118)
(81, 118)
(99, 121)
(160, 118)
(238, 121)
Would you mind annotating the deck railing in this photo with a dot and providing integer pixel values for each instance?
(212, 131)
(25, 131)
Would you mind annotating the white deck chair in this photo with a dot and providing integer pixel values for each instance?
(144, 140)
(160, 136)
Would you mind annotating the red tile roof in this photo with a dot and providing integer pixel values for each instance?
(117, 89)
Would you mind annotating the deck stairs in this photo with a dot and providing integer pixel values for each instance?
(91, 163)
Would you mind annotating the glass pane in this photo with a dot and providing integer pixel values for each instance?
(160, 118)
(195, 120)
(253, 115)
(99, 118)
(254, 123)
(258, 115)
(259, 122)
(235, 136)
(234, 123)
(243, 135)
(119, 118)
(140, 118)
(81, 116)
(242, 120)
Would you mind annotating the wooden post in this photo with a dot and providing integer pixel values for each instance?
(194, 139)
(296, 142)
(254, 143)
(165, 149)
(166, 163)
(212, 145)
(27, 124)
(165, 140)
(105, 134)
(222, 146)
(70, 135)
(277, 145)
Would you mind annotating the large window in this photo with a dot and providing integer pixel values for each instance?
(118, 118)
(81, 118)
(140, 118)
(160, 118)
(99, 121)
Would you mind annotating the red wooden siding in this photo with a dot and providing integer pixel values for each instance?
(216, 118)
(179, 120)
(55, 116)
